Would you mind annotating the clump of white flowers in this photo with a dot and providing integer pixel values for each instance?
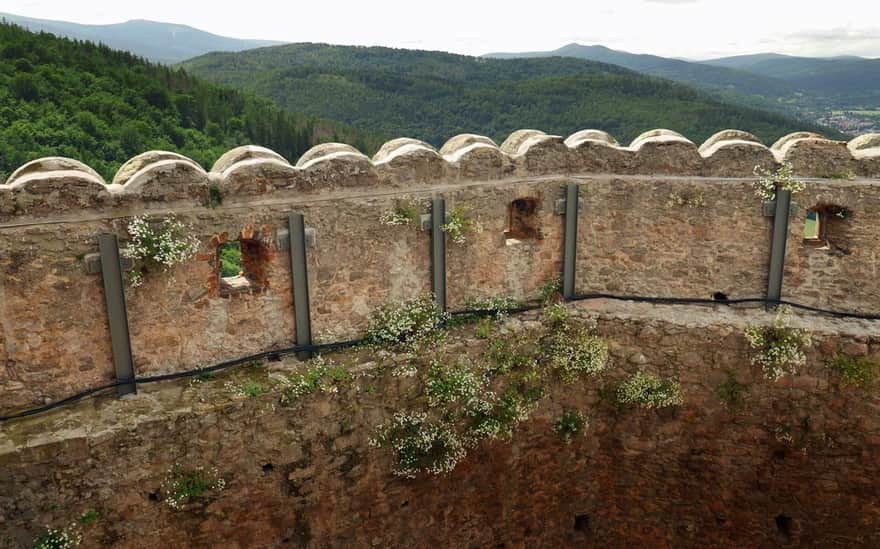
(459, 225)
(321, 375)
(778, 348)
(404, 213)
(405, 323)
(783, 179)
(420, 444)
(59, 538)
(573, 350)
(446, 384)
(161, 244)
(649, 391)
(184, 485)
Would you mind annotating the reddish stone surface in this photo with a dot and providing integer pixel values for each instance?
(702, 474)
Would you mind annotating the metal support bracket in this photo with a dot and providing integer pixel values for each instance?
(438, 251)
(777, 245)
(426, 221)
(92, 263)
(559, 206)
(282, 238)
(300, 282)
(572, 206)
(114, 294)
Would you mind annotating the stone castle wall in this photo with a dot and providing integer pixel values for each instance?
(660, 217)
(793, 464)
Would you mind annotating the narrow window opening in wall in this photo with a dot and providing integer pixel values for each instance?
(522, 221)
(823, 226)
(783, 526)
(582, 523)
(241, 266)
(813, 226)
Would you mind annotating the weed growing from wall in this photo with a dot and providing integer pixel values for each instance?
(783, 179)
(572, 348)
(406, 324)
(861, 372)
(569, 424)
(778, 349)
(321, 375)
(420, 444)
(459, 225)
(215, 197)
(730, 391)
(157, 245)
(649, 391)
(59, 538)
(182, 486)
(485, 396)
(404, 213)
(550, 291)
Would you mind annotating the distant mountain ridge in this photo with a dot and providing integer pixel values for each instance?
(433, 96)
(159, 42)
(842, 90)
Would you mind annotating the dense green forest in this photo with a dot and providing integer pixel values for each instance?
(434, 95)
(60, 97)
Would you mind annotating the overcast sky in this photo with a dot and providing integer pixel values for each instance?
(695, 29)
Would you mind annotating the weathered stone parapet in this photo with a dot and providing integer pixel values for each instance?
(166, 176)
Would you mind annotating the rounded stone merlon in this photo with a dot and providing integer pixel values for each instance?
(50, 164)
(512, 145)
(246, 152)
(577, 138)
(817, 157)
(736, 158)
(141, 161)
(865, 145)
(659, 135)
(167, 179)
(782, 141)
(342, 168)
(391, 147)
(326, 149)
(71, 183)
(256, 176)
(463, 140)
(727, 135)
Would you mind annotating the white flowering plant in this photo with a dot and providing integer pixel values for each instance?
(490, 417)
(459, 225)
(569, 424)
(649, 391)
(322, 375)
(573, 350)
(182, 486)
(420, 444)
(407, 323)
(157, 245)
(778, 348)
(59, 538)
(404, 213)
(783, 179)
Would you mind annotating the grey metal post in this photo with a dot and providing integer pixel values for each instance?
(300, 282)
(114, 294)
(438, 251)
(777, 246)
(572, 196)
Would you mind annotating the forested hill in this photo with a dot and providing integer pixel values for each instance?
(433, 95)
(101, 106)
